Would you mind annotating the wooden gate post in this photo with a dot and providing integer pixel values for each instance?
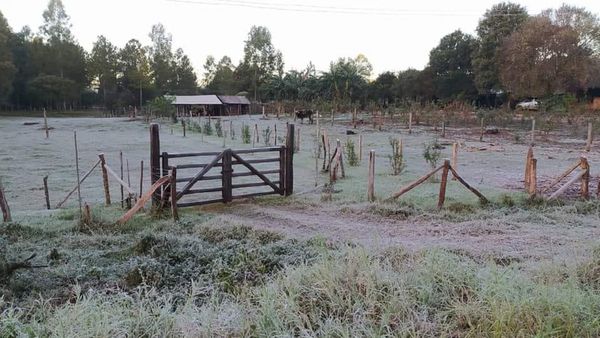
(282, 152)
(155, 161)
(104, 179)
(289, 160)
(226, 174)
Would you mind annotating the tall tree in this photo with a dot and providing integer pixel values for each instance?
(451, 63)
(497, 24)
(221, 76)
(261, 59)
(7, 67)
(162, 59)
(582, 21)
(103, 64)
(184, 74)
(134, 68)
(542, 58)
(65, 58)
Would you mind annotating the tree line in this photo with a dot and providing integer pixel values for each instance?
(513, 55)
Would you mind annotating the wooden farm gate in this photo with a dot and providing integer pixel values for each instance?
(234, 164)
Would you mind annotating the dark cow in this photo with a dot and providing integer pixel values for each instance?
(306, 113)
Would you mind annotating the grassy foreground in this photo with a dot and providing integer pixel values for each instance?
(199, 278)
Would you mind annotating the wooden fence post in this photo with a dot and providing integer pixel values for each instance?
(226, 177)
(46, 124)
(533, 178)
(528, 168)
(46, 192)
(297, 144)
(289, 160)
(588, 145)
(360, 147)
(454, 162)
(442, 195)
(183, 126)
(141, 178)
(6, 216)
(77, 171)
(410, 122)
(533, 132)
(371, 179)
(155, 161)
(443, 128)
(341, 157)
(585, 179)
(482, 131)
(173, 188)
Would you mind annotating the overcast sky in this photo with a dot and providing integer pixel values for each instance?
(393, 34)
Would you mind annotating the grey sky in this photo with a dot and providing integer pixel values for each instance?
(394, 35)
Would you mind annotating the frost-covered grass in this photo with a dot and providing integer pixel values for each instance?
(345, 292)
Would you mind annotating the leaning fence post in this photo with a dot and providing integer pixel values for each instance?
(585, 179)
(46, 124)
(155, 161)
(46, 192)
(173, 187)
(289, 160)
(442, 195)
(371, 179)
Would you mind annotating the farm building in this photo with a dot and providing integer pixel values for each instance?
(211, 104)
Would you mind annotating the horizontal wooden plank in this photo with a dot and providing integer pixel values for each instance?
(202, 191)
(264, 172)
(193, 166)
(255, 194)
(204, 178)
(197, 203)
(206, 153)
(260, 160)
(257, 150)
(250, 185)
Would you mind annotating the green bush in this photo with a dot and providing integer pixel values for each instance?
(246, 137)
(208, 130)
(219, 128)
(351, 154)
(397, 157)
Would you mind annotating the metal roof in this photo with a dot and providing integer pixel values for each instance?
(197, 99)
(228, 99)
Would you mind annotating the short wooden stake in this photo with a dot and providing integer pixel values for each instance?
(482, 131)
(104, 179)
(275, 134)
(454, 162)
(410, 116)
(332, 117)
(585, 179)
(122, 191)
(6, 216)
(87, 215)
(442, 195)
(46, 124)
(533, 132)
(46, 192)
(360, 147)
(533, 178)
(183, 126)
(588, 145)
(141, 178)
(371, 178)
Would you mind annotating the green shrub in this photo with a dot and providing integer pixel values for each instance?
(208, 130)
(351, 153)
(219, 128)
(246, 137)
(432, 153)
(396, 158)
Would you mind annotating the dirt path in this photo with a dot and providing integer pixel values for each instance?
(498, 239)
